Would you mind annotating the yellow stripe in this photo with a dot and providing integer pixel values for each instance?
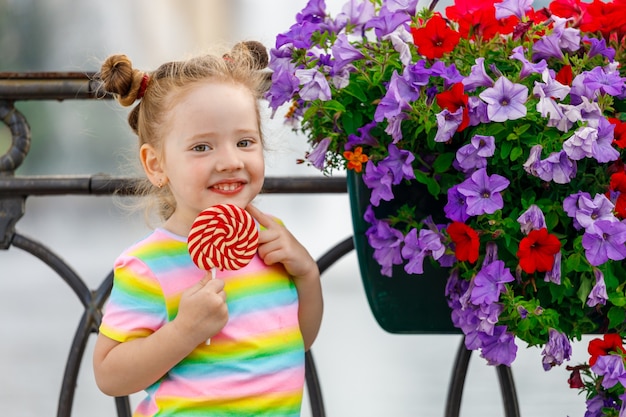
(287, 401)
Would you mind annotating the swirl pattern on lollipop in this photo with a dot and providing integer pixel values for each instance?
(224, 237)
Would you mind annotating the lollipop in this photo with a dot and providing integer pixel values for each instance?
(223, 236)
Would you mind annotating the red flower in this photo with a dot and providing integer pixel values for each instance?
(536, 251)
(435, 38)
(477, 19)
(611, 343)
(453, 99)
(618, 182)
(575, 381)
(465, 240)
(619, 134)
(565, 75)
(569, 8)
(618, 185)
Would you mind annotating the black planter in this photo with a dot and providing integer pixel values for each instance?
(402, 303)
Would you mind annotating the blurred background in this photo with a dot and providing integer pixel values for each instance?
(364, 371)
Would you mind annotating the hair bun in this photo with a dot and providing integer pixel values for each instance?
(255, 49)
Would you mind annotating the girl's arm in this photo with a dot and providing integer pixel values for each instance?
(128, 367)
(278, 245)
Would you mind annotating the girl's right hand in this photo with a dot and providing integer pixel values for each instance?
(202, 311)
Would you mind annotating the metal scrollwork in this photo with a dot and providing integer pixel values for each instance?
(20, 134)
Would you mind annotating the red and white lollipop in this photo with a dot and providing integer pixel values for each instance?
(223, 237)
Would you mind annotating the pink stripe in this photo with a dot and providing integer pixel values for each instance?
(233, 385)
(243, 327)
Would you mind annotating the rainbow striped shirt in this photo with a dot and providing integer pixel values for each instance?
(254, 366)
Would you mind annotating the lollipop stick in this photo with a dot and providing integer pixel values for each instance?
(213, 273)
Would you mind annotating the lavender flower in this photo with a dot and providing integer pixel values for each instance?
(344, 53)
(482, 192)
(604, 242)
(478, 76)
(314, 85)
(509, 8)
(505, 100)
(528, 67)
(317, 158)
(556, 350)
(455, 208)
(386, 242)
(399, 93)
(473, 155)
(531, 219)
(605, 82)
(557, 167)
(378, 179)
(399, 164)
(611, 368)
(500, 348)
(554, 275)
(598, 293)
(448, 123)
(416, 248)
(489, 283)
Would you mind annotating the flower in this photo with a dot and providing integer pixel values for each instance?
(512, 118)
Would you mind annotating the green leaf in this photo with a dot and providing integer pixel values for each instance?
(505, 149)
(616, 316)
(443, 162)
(516, 153)
(584, 289)
(333, 106)
(354, 90)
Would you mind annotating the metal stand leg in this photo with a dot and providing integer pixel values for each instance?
(455, 390)
(459, 372)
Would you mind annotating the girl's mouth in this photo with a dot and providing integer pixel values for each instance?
(227, 187)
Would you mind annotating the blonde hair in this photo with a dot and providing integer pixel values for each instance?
(159, 90)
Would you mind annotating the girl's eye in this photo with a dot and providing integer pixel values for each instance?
(201, 148)
(244, 143)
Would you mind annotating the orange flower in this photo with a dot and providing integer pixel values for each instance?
(356, 159)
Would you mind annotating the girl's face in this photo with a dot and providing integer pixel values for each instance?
(212, 151)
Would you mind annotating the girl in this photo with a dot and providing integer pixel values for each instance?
(200, 140)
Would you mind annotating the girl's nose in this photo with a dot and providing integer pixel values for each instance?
(229, 159)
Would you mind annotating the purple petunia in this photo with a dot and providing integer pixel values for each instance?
(557, 350)
(531, 219)
(396, 100)
(505, 100)
(416, 248)
(474, 155)
(611, 368)
(509, 8)
(489, 283)
(482, 192)
(606, 241)
(378, 179)
(386, 242)
(317, 157)
(598, 294)
(455, 208)
(399, 162)
(557, 167)
(448, 123)
(314, 85)
(499, 348)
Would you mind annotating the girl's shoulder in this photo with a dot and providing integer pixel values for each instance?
(157, 241)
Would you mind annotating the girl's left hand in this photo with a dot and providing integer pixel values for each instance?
(278, 245)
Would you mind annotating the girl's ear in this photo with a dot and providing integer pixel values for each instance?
(152, 165)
